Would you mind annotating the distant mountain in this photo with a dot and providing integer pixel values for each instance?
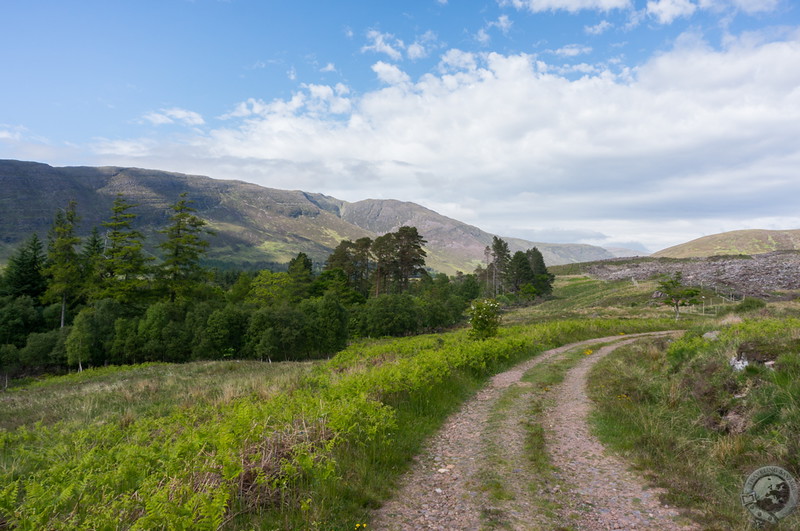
(736, 242)
(254, 225)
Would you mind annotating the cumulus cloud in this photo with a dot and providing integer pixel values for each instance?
(330, 67)
(572, 6)
(172, 116)
(390, 74)
(385, 43)
(639, 154)
(599, 28)
(666, 11)
(572, 50)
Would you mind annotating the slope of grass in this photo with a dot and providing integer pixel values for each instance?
(308, 450)
(698, 426)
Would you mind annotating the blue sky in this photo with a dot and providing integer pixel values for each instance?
(599, 121)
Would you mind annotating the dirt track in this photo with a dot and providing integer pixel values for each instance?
(446, 488)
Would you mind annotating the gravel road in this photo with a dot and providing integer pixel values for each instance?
(588, 490)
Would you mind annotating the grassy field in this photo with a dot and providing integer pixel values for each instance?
(285, 445)
(699, 427)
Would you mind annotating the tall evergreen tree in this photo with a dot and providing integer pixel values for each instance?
(543, 279)
(91, 257)
(519, 273)
(183, 249)
(383, 250)
(123, 268)
(23, 274)
(62, 259)
(410, 255)
(301, 274)
(501, 256)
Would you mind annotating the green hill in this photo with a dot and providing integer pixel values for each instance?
(735, 242)
(254, 225)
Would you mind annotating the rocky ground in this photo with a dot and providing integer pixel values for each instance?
(475, 474)
(761, 275)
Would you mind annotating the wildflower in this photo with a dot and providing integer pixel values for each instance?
(588, 351)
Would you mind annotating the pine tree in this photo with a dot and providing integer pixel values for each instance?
(519, 273)
(91, 257)
(23, 274)
(501, 256)
(123, 268)
(543, 279)
(410, 255)
(183, 249)
(62, 259)
(301, 274)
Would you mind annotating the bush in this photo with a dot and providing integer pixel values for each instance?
(749, 304)
(484, 316)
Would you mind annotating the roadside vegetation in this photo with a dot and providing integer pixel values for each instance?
(231, 443)
(699, 426)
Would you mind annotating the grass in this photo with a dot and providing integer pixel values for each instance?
(237, 444)
(698, 428)
(153, 390)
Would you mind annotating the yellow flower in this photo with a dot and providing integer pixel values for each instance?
(588, 351)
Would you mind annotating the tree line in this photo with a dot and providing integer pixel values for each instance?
(72, 302)
(514, 278)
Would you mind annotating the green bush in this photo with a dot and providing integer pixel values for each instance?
(749, 304)
(484, 318)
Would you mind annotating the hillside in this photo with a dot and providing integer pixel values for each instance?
(768, 275)
(735, 242)
(254, 225)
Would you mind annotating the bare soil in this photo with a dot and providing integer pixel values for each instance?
(474, 474)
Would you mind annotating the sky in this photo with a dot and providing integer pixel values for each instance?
(637, 123)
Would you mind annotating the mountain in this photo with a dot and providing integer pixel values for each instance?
(735, 242)
(254, 225)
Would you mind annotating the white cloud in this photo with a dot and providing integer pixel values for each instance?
(599, 28)
(292, 73)
(503, 23)
(384, 43)
(174, 115)
(572, 50)
(330, 67)
(483, 36)
(573, 6)
(652, 153)
(666, 11)
(390, 74)
(750, 7)
(416, 51)
(455, 59)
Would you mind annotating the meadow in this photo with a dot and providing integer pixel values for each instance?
(311, 445)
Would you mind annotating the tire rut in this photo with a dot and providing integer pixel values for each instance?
(445, 488)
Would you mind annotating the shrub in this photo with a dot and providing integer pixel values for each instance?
(749, 304)
(484, 317)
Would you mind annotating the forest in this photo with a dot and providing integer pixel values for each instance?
(68, 303)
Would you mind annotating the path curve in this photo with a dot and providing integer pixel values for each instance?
(442, 490)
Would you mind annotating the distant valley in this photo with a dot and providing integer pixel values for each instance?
(254, 225)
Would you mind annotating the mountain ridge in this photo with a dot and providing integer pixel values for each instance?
(748, 241)
(254, 224)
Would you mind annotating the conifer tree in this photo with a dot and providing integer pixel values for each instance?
(183, 249)
(123, 268)
(543, 279)
(301, 275)
(62, 259)
(410, 255)
(23, 274)
(501, 256)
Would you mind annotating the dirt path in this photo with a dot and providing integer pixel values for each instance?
(473, 473)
